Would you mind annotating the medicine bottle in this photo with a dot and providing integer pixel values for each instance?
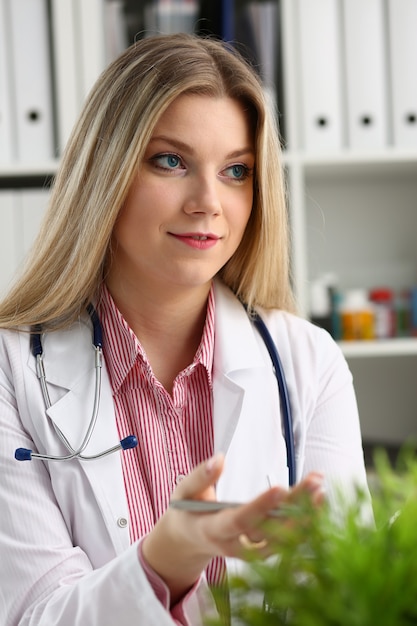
(356, 316)
(320, 305)
(382, 301)
(402, 313)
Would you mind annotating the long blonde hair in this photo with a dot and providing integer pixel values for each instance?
(65, 268)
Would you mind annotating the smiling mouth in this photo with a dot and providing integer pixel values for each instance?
(196, 236)
(200, 242)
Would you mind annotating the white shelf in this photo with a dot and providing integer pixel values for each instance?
(350, 162)
(379, 348)
(17, 169)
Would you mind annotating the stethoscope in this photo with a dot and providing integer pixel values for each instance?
(24, 454)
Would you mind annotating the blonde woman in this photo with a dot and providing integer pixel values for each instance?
(167, 213)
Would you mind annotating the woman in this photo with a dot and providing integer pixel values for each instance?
(167, 213)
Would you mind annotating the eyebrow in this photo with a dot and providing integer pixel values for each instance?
(180, 145)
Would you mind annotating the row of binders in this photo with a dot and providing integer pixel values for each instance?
(358, 73)
(51, 51)
(357, 66)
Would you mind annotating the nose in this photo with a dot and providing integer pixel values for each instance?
(203, 197)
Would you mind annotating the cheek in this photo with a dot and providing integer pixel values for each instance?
(135, 217)
(128, 230)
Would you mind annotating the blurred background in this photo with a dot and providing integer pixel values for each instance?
(342, 78)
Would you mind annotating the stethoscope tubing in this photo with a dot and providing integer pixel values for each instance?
(283, 394)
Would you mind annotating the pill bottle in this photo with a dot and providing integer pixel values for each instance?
(356, 316)
(383, 304)
(402, 313)
(413, 302)
(323, 302)
(320, 305)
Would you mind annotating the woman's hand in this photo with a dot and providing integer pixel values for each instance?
(182, 543)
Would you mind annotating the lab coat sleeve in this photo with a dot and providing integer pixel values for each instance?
(326, 421)
(331, 434)
(333, 443)
(45, 580)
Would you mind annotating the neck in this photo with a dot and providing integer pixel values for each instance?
(168, 326)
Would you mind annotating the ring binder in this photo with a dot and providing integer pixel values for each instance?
(320, 69)
(7, 120)
(366, 86)
(31, 73)
(402, 20)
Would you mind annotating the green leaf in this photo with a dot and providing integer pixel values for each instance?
(324, 573)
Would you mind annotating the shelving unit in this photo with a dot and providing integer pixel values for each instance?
(352, 213)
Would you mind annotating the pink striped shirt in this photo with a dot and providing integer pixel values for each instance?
(174, 433)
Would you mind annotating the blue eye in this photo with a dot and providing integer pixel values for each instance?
(167, 161)
(238, 171)
(172, 160)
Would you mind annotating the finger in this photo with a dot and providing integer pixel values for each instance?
(312, 486)
(254, 513)
(198, 483)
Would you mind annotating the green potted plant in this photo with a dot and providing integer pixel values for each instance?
(330, 574)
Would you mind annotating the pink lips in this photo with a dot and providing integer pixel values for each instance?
(199, 241)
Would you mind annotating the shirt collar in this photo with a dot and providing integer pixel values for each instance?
(122, 348)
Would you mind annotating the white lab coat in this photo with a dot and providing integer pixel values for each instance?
(66, 558)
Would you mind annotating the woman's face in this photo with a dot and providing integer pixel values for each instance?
(188, 207)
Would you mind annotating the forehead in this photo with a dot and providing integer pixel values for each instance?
(190, 111)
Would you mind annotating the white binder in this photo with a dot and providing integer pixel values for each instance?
(8, 254)
(115, 28)
(7, 121)
(32, 79)
(320, 74)
(21, 212)
(90, 28)
(171, 16)
(66, 71)
(263, 23)
(366, 73)
(402, 25)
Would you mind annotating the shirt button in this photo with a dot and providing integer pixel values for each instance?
(122, 522)
(180, 478)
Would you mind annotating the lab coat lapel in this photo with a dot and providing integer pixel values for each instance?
(236, 353)
(70, 372)
(69, 360)
(246, 411)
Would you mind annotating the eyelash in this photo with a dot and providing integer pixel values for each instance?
(246, 171)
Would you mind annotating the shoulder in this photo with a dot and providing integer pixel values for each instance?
(301, 332)
(302, 346)
(11, 342)
(15, 345)
(292, 331)
(300, 336)
(309, 352)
